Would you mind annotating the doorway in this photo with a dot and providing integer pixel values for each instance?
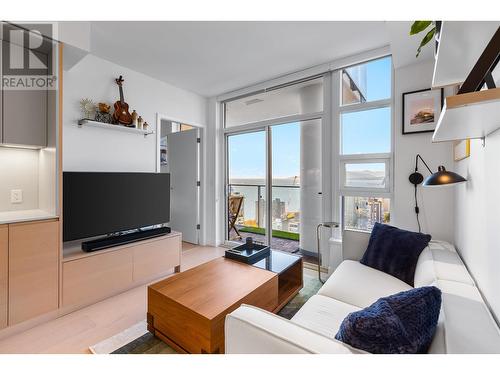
(179, 154)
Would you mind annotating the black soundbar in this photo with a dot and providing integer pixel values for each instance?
(122, 239)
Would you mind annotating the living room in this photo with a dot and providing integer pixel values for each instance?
(224, 183)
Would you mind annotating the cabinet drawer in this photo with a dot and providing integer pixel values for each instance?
(33, 269)
(156, 258)
(4, 246)
(96, 277)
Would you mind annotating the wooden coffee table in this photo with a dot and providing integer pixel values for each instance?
(289, 268)
(188, 310)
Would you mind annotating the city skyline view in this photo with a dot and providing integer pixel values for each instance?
(362, 132)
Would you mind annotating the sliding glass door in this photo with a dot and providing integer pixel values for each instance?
(273, 166)
(246, 186)
(276, 173)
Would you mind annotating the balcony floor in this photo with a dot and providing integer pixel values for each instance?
(290, 246)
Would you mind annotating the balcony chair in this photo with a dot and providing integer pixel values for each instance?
(234, 207)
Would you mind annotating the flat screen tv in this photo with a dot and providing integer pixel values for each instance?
(100, 203)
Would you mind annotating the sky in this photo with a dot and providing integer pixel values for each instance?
(361, 132)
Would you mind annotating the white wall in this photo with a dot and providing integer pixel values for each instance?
(94, 149)
(32, 171)
(436, 204)
(18, 170)
(477, 221)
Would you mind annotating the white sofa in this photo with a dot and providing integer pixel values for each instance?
(465, 323)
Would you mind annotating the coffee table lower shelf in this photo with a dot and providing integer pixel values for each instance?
(290, 282)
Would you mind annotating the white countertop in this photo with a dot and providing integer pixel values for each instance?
(7, 217)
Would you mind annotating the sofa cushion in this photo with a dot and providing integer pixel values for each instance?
(359, 285)
(250, 330)
(438, 344)
(403, 323)
(395, 251)
(425, 273)
(440, 261)
(468, 324)
(323, 315)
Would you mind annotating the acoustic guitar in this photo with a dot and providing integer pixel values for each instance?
(121, 114)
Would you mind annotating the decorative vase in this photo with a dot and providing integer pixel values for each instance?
(134, 119)
(88, 108)
(104, 117)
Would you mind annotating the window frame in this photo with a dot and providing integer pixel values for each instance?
(343, 159)
(365, 159)
(333, 205)
(266, 125)
(283, 119)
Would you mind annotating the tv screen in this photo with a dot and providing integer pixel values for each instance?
(99, 203)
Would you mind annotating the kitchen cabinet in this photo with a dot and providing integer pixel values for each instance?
(4, 246)
(33, 269)
(23, 113)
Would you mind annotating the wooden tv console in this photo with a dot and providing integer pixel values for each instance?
(90, 277)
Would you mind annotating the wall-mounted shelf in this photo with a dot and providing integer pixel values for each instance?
(460, 45)
(113, 127)
(471, 115)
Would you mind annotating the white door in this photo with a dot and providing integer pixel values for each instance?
(182, 148)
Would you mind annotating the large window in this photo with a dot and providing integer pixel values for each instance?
(283, 173)
(366, 131)
(361, 213)
(365, 176)
(366, 144)
(367, 82)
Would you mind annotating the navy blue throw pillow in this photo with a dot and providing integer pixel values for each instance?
(403, 323)
(395, 251)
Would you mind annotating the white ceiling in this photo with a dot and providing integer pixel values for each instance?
(210, 58)
(404, 46)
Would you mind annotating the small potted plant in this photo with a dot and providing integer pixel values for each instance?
(433, 33)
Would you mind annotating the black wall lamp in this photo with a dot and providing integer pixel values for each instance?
(440, 178)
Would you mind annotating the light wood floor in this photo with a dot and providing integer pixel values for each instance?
(75, 332)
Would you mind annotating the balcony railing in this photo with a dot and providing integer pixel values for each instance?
(255, 194)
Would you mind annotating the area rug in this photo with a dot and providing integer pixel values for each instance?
(137, 339)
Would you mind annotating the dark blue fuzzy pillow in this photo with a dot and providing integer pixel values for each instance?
(403, 323)
(395, 251)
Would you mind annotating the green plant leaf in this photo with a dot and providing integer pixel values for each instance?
(419, 26)
(427, 38)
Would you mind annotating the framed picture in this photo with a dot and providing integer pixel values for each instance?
(421, 110)
(461, 149)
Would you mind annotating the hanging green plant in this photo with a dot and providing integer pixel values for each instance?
(419, 26)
